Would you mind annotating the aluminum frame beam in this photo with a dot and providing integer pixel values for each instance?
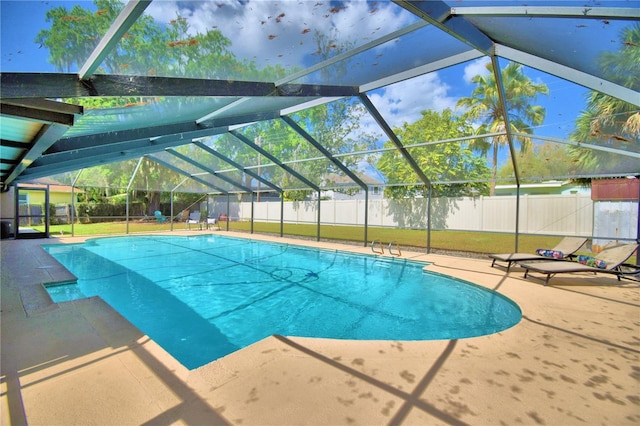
(346, 55)
(549, 11)
(394, 139)
(587, 80)
(140, 146)
(185, 173)
(423, 69)
(275, 160)
(221, 110)
(283, 166)
(208, 170)
(42, 116)
(438, 13)
(309, 104)
(187, 130)
(53, 118)
(127, 17)
(507, 127)
(43, 105)
(350, 53)
(582, 145)
(73, 159)
(324, 151)
(59, 85)
(47, 135)
(338, 164)
(502, 97)
(237, 166)
(13, 144)
(35, 172)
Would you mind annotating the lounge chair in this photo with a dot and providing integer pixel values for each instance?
(610, 261)
(564, 250)
(194, 219)
(211, 222)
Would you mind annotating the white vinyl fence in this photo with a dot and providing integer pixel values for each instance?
(571, 214)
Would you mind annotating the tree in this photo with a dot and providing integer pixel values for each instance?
(332, 125)
(609, 121)
(548, 160)
(149, 48)
(449, 161)
(484, 105)
(336, 126)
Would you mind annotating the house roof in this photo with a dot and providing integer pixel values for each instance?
(53, 186)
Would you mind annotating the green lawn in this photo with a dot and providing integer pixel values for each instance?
(465, 241)
(107, 228)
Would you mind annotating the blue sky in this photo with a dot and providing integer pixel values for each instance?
(20, 22)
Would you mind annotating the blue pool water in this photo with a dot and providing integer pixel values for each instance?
(203, 297)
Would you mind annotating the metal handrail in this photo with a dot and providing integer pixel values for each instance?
(399, 253)
(373, 247)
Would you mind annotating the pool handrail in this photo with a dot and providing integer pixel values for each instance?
(373, 247)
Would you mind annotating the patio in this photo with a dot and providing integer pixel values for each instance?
(573, 359)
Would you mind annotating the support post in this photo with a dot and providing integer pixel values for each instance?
(517, 216)
(228, 203)
(252, 211)
(281, 214)
(429, 220)
(73, 203)
(171, 208)
(133, 176)
(318, 228)
(46, 212)
(366, 215)
(126, 214)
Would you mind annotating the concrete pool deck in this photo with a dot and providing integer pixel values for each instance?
(572, 360)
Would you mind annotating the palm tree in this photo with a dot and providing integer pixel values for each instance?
(484, 105)
(610, 121)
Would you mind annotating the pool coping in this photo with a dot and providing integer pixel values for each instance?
(572, 359)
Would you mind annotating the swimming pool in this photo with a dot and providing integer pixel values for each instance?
(203, 297)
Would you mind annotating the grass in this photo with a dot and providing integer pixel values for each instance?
(107, 228)
(463, 241)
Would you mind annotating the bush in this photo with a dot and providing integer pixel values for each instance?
(106, 212)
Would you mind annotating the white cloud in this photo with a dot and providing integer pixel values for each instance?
(271, 32)
(474, 68)
(405, 101)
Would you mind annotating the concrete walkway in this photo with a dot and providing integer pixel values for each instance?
(572, 360)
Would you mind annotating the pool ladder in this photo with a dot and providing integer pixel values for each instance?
(380, 248)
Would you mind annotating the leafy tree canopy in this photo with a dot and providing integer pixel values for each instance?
(484, 106)
(451, 161)
(608, 121)
(540, 162)
(148, 48)
(151, 48)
